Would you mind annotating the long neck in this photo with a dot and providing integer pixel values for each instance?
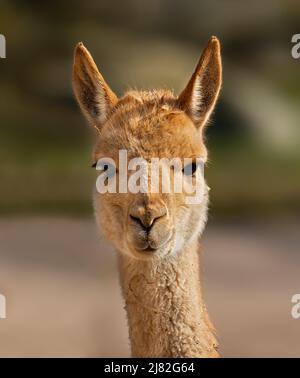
(166, 313)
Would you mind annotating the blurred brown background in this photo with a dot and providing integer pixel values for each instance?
(59, 278)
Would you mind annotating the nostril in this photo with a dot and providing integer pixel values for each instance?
(138, 221)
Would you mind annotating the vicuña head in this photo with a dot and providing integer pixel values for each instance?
(152, 229)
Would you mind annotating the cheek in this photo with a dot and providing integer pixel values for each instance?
(110, 211)
(180, 210)
(188, 219)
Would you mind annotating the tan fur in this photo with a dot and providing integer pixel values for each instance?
(160, 272)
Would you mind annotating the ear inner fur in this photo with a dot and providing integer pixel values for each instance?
(92, 92)
(201, 93)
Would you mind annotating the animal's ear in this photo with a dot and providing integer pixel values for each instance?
(92, 93)
(200, 95)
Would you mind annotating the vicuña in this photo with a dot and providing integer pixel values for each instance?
(156, 234)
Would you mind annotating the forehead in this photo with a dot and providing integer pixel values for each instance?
(150, 131)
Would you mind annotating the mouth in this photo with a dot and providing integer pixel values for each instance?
(149, 251)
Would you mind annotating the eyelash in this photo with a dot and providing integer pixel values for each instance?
(105, 166)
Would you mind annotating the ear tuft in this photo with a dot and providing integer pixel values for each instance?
(200, 95)
(91, 91)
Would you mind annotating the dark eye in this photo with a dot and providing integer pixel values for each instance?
(102, 166)
(190, 169)
(107, 167)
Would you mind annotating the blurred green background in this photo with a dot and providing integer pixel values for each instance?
(254, 138)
